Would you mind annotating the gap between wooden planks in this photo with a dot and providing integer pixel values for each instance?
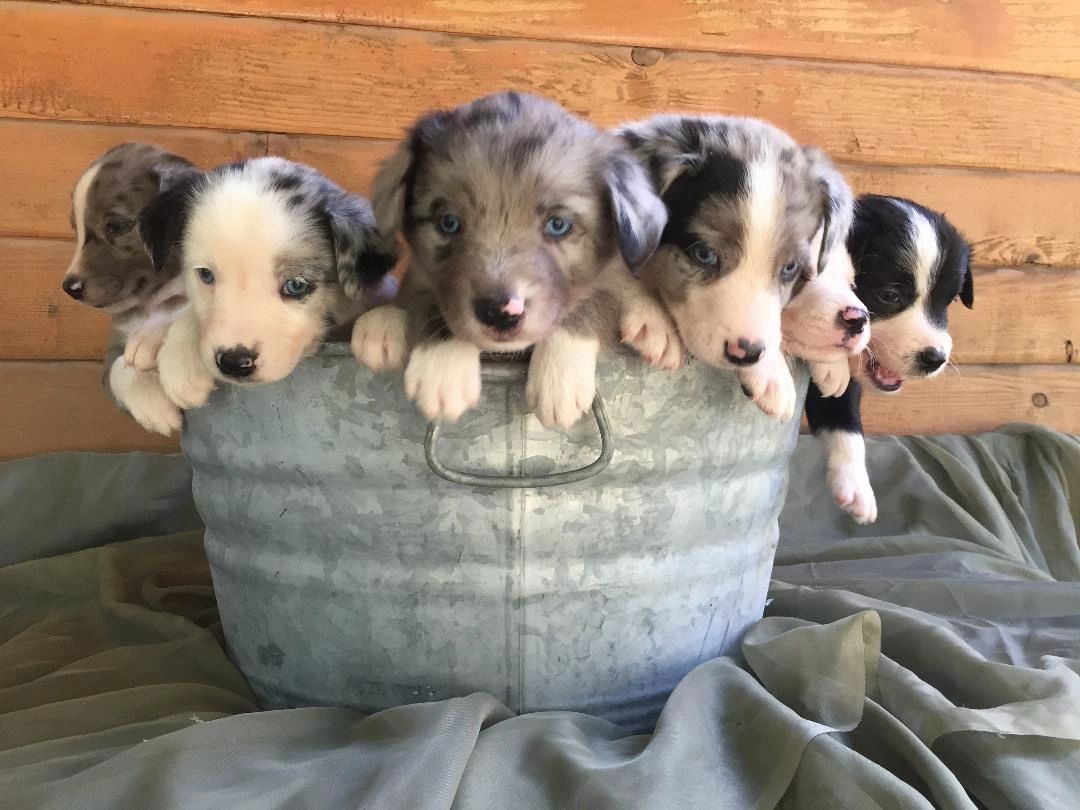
(1017, 36)
(56, 406)
(1012, 218)
(244, 73)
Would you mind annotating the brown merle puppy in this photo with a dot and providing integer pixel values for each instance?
(110, 271)
(521, 220)
(752, 217)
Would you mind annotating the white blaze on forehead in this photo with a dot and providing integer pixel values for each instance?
(924, 248)
(763, 211)
(78, 204)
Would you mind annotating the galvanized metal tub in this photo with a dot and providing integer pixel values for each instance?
(348, 573)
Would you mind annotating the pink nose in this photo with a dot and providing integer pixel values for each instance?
(515, 305)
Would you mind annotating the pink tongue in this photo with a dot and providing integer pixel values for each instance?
(887, 377)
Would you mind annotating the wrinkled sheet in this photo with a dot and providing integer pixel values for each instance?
(931, 660)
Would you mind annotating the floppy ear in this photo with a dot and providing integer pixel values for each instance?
(967, 289)
(640, 215)
(388, 193)
(161, 223)
(170, 169)
(362, 258)
(835, 203)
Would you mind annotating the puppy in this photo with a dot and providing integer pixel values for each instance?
(752, 218)
(111, 272)
(271, 254)
(521, 220)
(910, 264)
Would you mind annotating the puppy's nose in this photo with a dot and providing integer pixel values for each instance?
(930, 359)
(74, 288)
(743, 352)
(853, 320)
(502, 313)
(236, 363)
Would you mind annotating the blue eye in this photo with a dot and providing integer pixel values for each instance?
(206, 275)
(789, 271)
(703, 254)
(449, 224)
(557, 227)
(295, 287)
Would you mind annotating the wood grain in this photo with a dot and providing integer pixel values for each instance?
(196, 70)
(1006, 35)
(1013, 218)
(979, 398)
(48, 407)
(1020, 316)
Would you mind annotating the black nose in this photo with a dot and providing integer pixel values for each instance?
(502, 314)
(237, 363)
(853, 320)
(746, 354)
(930, 360)
(74, 288)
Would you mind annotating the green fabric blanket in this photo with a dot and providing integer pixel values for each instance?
(931, 660)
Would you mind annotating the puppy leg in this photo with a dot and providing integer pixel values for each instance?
(141, 395)
(380, 338)
(769, 383)
(562, 378)
(837, 422)
(831, 377)
(443, 378)
(183, 376)
(141, 350)
(645, 325)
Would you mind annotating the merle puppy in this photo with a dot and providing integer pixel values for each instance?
(110, 271)
(521, 220)
(910, 264)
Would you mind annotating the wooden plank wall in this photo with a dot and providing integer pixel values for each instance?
(969, 107)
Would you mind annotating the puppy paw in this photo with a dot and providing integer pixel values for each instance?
(850, 487)
(183, 377)
(443, 379)
(648, 329)
(142, 348)
(771, 388)
(379, 339)
(141, 395)
(562, 380)
(831, 377)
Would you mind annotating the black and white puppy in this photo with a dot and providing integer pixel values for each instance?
(910, 264)
(111, 272)
(752, 218)
(521, 220)
(272, 255)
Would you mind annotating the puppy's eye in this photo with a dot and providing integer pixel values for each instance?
(449, 224)
(117, 226)
(295, 287)
(557, 227)
(889, 297)
(789, 271)
(703, 254)
(206, 275)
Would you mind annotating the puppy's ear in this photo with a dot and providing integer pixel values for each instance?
(640, 215)
(161, 223)
(658, 147)
(362, 257)
(834, 202)
(171, 169)
(967, 288)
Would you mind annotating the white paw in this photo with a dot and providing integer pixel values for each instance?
(648, 329)
(850, 488)
(562, 380)
(142, 348)
(831, 377)
(141, 395)
(443, 379)
(771, 388)
(184, 378)
(379, 339)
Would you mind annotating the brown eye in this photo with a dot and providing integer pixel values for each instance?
(117, 226)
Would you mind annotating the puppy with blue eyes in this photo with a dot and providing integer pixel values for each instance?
(272, 255)
(521, 221)
(752, 218)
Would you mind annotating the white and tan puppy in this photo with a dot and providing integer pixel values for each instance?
(752, 218)
(272, 255)
(111, 272)
(521, 221)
